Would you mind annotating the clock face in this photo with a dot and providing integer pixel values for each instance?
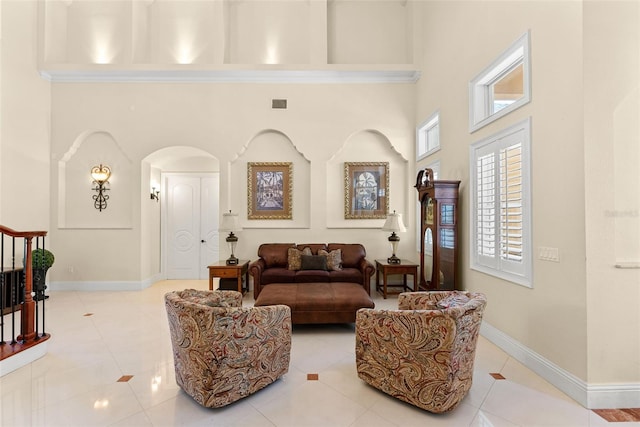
(429, 217)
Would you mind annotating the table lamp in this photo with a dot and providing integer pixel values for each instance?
(230, 223)
(394, 224)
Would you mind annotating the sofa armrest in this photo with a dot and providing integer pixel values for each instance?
(255, 270)
(367, 269)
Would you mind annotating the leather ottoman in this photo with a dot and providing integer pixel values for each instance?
(322, 302)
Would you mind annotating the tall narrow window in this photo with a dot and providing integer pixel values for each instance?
(428, 137)
(501, 214)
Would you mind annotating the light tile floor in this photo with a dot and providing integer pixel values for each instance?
(98, 337)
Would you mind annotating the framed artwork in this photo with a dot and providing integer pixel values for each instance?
(269, 190)
(366, 190)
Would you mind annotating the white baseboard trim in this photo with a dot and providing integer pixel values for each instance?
(591, 396)
(613, 396)
(23, 358)
(105, 285)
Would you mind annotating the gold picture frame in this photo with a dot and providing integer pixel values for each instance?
(269, 190)
(366, 190)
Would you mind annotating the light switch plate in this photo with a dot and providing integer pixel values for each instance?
(548, 254)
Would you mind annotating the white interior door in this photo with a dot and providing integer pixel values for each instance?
(209, 220)
(191, 225)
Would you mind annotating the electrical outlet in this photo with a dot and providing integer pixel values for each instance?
(548, 254)
(71, 269)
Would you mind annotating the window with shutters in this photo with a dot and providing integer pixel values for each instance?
(501, 213)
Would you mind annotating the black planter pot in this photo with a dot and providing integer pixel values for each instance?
(39, 285)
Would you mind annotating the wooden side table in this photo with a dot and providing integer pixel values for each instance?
(405, 267)
(221, 270)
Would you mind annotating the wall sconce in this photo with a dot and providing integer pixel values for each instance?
(100, 175)
(155, 194)
(230, 224)
(394, 223)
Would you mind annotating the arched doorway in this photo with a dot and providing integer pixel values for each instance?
(188, 180)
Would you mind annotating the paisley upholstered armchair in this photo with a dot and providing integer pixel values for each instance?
(422, 353)
(223, 352)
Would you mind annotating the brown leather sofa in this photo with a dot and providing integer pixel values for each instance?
(331, 293)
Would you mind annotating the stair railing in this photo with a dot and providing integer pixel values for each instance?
(16, 289)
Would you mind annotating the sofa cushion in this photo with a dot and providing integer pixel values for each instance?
(275, 254)
(315, 247)
(278, 275)
(352, 253)
(294, 260)
(352, 275)
(334, 259)
(309, 276)
(313, 262)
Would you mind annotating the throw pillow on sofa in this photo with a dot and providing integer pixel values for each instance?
(313, 262)
(294, 260)
(334, 259)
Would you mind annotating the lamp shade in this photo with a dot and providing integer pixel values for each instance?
(100, 173)
(394, 223)
(230, 222)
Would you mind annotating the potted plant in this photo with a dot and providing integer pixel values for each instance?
(41, 260)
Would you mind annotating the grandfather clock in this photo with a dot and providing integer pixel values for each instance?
(438, 232)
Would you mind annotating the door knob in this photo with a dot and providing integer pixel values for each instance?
(203, 241)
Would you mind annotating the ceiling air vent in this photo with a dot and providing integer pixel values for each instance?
(279, 103)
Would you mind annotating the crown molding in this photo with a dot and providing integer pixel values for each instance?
(108, 74)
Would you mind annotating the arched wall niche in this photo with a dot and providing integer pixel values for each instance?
(75, 186)
(268, 146)
(368, 145)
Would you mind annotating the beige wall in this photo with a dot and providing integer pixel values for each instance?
(324, 126)
(25, 123)
(460, 40)
(244, 33)
(227, 121)
(582, 313)
(612, 156)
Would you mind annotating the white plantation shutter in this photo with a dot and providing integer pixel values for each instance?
(511, 203)
(486, 209)
(501, 211)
